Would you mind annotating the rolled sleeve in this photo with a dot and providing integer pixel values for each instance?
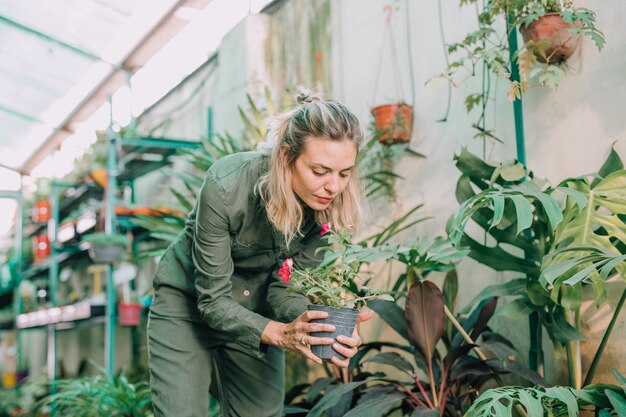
(286, 303)
(211, 253)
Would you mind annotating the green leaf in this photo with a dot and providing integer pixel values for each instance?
(618, 402)
(523, 208)
(377, 406)
(395, 360)
(513, 172)
(620, 378)
(392, 314)
(564, 395)
(498, 211)
(331, 398)
(451, 288)
(579, 198)
(531, 404)
(571, 297)
(513, 287)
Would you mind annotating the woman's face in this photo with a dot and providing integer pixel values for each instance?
(322, 170)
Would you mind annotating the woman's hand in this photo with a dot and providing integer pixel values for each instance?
(348, 346)
(295, 335)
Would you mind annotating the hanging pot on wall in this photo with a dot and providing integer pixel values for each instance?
(562, 43)
(393, 122)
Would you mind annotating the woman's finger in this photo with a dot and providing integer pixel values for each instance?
(319, 327)
(365, 315)
(341, 363)
(354, 341)
(311, 340)
(313, 314)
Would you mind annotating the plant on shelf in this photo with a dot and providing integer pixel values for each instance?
(540, 59)
(106, 248)
(332, 286)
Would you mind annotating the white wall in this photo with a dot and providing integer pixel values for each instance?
(568, 132)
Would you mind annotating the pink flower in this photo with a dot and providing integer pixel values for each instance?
(350, 226)
(285, 270)
(325, 228)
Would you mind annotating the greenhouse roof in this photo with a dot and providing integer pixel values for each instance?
(61, 58)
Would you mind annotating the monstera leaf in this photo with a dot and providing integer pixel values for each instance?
(589, 244)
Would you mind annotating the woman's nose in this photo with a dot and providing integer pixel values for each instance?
(332, 185)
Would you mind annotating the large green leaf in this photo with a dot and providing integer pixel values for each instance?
(377, 406)
(331, 398)
(598, 225)
(392, 314)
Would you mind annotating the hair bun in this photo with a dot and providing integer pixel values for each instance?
(306, 96)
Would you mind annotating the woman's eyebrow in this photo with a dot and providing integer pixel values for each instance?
(330, 169)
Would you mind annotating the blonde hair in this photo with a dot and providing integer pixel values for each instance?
(313, 117)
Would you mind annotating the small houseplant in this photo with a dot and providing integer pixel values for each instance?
(332, 286)
(105, 248)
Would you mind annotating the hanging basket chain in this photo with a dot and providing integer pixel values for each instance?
(394, 56)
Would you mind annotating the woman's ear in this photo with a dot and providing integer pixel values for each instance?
(283, 154)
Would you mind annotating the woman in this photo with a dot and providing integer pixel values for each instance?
(218, 299)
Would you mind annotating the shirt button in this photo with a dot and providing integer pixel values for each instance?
(246, 293)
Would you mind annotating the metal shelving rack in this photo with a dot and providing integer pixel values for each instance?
(132, 152)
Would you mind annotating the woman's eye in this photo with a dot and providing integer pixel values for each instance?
(344, 175)
(319, 174)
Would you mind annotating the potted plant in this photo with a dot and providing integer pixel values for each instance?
(552, 28)
(105, 248)
(332, 287)
(394, 122)
(551, 31)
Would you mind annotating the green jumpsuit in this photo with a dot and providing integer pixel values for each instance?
(216, 290)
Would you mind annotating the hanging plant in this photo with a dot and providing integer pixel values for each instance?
(393, 120)
(551, 29)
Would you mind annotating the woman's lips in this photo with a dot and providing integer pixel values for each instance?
(324, 199)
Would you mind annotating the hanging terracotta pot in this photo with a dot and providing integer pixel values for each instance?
(562, 43)
(41, 211)
(394, 122)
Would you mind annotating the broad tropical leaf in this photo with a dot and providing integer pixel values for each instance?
(424, 313)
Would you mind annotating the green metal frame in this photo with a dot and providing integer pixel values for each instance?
(18, 259)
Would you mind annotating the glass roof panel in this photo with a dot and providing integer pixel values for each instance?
(47, 47)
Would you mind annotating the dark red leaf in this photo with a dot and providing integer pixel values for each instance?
(424, 313)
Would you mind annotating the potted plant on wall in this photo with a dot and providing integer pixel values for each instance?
(332, 286)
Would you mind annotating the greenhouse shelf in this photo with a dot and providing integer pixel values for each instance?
(60, 316)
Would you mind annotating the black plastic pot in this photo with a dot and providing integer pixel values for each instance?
(344, 320)
(106, 254)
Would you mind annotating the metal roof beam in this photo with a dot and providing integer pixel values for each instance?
(51, 39)
(19, 114)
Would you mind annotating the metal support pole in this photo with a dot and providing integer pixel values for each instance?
(109, 227)
(518, 111)
(53, 278)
